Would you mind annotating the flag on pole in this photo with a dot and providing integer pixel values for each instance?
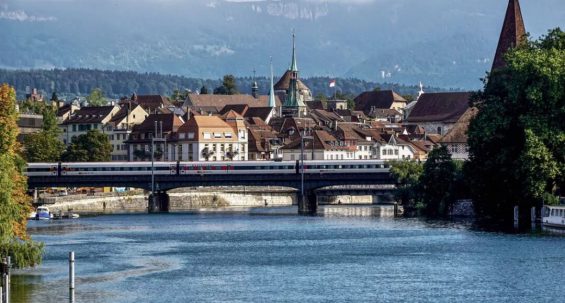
(332, 83)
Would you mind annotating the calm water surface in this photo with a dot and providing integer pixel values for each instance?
(245, 258)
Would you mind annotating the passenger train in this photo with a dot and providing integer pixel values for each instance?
(204, 168)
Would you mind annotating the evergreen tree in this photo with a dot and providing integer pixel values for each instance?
(93, 146)
(96, 98)
(14, 203)
(204, 90)
(229, 86)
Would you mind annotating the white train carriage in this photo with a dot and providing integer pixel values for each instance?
(244, 167)
(118, 168)
(338, 167)
(41, 169)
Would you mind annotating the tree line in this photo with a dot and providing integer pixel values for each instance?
(73, 82)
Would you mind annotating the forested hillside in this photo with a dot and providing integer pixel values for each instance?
(69, 83)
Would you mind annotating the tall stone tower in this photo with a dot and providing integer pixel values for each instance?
(512, 35)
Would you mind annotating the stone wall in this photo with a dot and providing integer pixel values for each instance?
(231, 198)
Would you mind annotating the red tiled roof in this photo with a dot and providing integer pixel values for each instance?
(440, 107)
(90, 114)
(513, 33)
(376, 99)
(220, 101)
(284, 82)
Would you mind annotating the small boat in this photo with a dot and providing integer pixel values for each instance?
(42, 213)
(553, 216)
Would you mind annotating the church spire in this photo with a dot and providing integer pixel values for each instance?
(272, 102)
(293, 65)
(254, 86)
(513, 33)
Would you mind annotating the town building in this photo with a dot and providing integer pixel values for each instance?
(372, 101)
(162, 127)
(213, 138)
(437, 113)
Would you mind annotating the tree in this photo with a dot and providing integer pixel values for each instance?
(45, 146)
(96, 98)
(407, 176)
(93, 146)
(517, 140)
(228, 87)
(14, 203)
(204, 90)
(437, 183)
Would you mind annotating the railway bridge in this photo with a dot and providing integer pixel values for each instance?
(313, 184)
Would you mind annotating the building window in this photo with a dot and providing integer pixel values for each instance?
(217, 135)
(396, 152)
(190, 135)
(228, 135)
(439, 130)
(207, 136)
(74, 127)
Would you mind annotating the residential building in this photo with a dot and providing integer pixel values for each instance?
(162, 126)
(213, 138)
(456, 138)
(85, 119)
(437, 113)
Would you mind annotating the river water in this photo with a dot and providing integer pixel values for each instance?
(257, 258)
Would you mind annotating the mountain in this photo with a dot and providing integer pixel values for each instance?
(440, 42)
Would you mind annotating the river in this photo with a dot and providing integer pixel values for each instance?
(259, 258)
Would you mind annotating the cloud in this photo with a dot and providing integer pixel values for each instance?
(22, 16)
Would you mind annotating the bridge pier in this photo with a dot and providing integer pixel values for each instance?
(307, 203)
(158, 202)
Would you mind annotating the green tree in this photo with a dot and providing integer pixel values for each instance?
(204, 90)
(96, 98)
(93, 146)
(228, 87)
(517, 140)
(14, 203)
(407, 175)
(45, 146)
(437, 183)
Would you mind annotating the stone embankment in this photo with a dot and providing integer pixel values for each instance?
(185, 199)
(195, 199)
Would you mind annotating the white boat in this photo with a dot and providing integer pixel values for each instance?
(32, 215)
(553, 216)
(43, 213)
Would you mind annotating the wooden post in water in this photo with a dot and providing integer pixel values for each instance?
(8, 264)
(71, 271)
(516, 217)
(533, 217)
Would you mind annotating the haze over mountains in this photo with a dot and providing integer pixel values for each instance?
(448, 43)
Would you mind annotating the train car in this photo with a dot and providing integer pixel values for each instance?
(41, 169)
(118, 168)
(242, 167)
(345, 166)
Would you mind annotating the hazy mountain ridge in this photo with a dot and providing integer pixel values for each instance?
(207, 39)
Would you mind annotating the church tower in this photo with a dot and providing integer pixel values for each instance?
(293, 104)
(272, 100)
(512, 35)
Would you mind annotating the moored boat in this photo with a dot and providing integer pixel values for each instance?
(553, 216)
(43, 213)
